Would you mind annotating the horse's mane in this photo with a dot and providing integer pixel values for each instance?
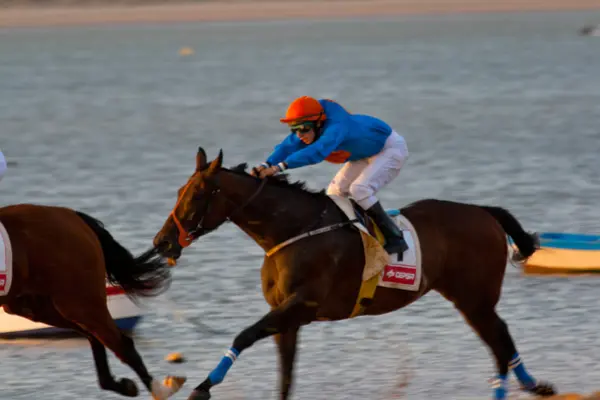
(280, 180)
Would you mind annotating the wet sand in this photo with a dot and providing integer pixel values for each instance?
(63, 13)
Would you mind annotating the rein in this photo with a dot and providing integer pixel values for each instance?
(185, 237)
(254, 196)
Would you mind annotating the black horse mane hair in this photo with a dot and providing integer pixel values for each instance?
(281, 180)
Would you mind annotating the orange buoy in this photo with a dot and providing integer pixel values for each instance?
(175, 358)
(186, 51)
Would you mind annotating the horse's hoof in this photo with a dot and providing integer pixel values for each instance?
(174, 383)
(199, 395)
(168, 388)
(127, 387)
(542, 389)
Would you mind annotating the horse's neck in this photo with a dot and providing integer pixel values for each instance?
(275, 214)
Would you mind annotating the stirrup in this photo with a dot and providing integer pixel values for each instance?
(397, 248)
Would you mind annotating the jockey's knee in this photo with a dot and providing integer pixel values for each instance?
(360, 191)
(363, 194)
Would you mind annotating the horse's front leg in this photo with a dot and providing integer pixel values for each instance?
(294, 312)
(286, 344)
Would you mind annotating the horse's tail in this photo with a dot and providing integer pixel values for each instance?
(526, 242)
(145, 275)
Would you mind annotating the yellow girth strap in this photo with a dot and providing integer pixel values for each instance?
(365, 294)
(368, 287)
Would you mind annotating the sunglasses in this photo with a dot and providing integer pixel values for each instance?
(302, 128)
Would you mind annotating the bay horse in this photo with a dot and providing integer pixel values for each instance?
(464, 256)
(62, 259)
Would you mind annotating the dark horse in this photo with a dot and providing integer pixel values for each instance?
(61, 262)
(464, 251)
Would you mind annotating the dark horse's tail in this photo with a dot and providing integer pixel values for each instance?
(525, 242)
(145, 275)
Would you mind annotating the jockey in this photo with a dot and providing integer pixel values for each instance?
(2, 165)
(371, 151)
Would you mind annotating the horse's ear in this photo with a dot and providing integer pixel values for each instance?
(200, 159)
(215, 165)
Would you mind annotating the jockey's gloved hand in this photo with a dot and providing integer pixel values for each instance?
(259, 168)
(270, 171)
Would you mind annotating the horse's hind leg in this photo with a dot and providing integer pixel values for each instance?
(99, 321)
(42, 309)
(494, 332)
(123, 386)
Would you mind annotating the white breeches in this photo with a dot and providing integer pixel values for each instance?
(362, 179)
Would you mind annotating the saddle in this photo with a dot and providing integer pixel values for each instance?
(367, 222)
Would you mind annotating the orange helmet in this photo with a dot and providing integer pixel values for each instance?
(304, 108)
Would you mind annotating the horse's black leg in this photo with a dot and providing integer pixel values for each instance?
(93, 316)
(125, 386)
(286, 344)
(125, 350)
(528, 382)
(494, 332)
(42, 309)
(291, 314)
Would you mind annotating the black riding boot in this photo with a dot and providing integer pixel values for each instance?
(394, 240)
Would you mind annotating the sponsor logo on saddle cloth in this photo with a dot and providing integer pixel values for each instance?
(394, 274)
(5, 262)
(405, 274)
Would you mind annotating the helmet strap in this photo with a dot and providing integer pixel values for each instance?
(318, 129)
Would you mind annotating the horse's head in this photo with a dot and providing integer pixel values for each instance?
(196, 211)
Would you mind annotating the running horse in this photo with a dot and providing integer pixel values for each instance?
(61, 260)
(314, 261)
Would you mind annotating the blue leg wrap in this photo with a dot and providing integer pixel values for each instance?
(218, 374)
(519, 369)
(499, 386)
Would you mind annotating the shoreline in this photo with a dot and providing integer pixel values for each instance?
(240, 10)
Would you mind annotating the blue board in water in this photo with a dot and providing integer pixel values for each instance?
(573, 241)
(573, 245)
(570, 237)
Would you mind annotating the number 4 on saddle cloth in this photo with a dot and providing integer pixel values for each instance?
(381, 269)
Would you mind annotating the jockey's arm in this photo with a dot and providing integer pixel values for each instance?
(288, 146)
(2, 165)
(320, 149)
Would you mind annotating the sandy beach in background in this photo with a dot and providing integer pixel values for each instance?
(22, 14)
